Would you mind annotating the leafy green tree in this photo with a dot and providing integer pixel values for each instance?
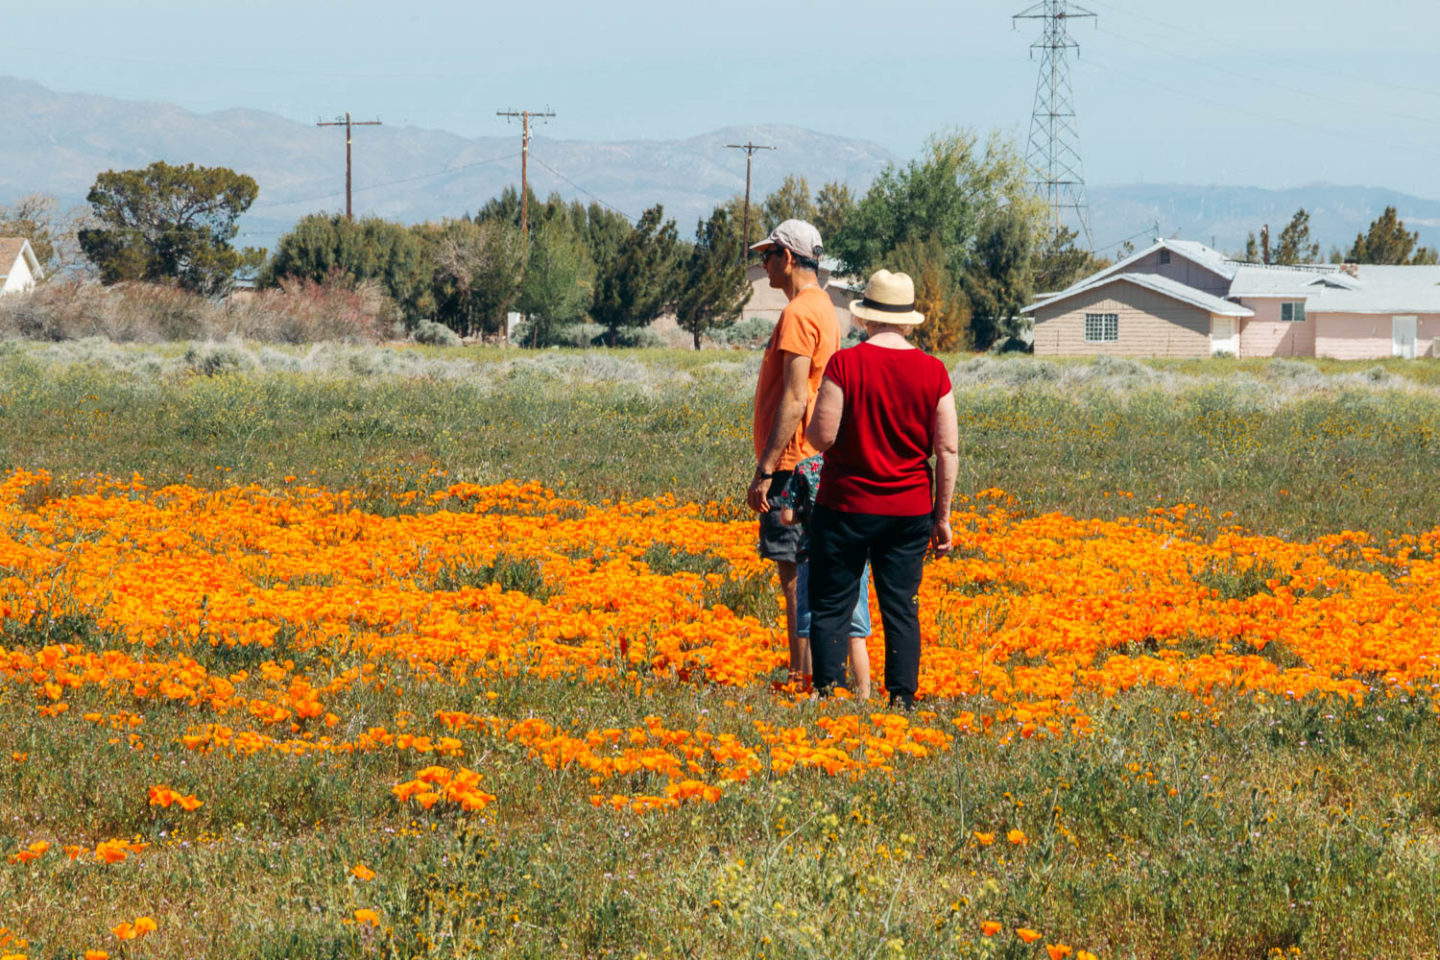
(169, 224)
(1295, 245)
(832, 206)
(1057, 262)
(965, 204)
(368, 249)
(713, 291)
(641, 279)
(944, 195)
(605, 231)
(475, 272)
(790, 201)
(937, 295)
(735, 207)
(559, 276)
(506, 207)
(997, 281)
(1387, 241)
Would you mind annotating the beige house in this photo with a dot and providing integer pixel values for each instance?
(766, 302)
(21, 269)
(1182, 299)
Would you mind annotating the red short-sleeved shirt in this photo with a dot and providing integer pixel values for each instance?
(880, 460)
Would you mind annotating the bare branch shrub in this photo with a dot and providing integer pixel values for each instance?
(299, 311)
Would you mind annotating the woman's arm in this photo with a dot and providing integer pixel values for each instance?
(825, 421)
(947, 463)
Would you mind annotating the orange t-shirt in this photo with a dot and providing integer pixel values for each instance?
(808, 328)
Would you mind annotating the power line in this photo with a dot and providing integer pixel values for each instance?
(525, 116)
(1189, 35)
(749, 147)
(1230, 73)
(1150, 81)
(389, 183)
(607, 206)
(347, 124)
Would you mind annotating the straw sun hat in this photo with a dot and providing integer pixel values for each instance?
(889, 298)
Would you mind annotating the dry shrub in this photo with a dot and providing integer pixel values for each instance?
(74, 309)
(299, 311)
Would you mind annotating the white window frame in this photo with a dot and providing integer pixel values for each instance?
(1109, 327)
(1289, 306)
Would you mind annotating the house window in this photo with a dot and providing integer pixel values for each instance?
(1102, 327)
(1164, 257)
(1292, 312)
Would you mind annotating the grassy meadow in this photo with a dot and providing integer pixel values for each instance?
(406, 652)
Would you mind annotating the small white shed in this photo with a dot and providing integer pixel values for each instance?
(21, 269)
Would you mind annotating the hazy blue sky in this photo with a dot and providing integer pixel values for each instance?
(1264, 92)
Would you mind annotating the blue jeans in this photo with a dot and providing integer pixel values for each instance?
(859, 619)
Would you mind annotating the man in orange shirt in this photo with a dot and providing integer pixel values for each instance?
(790, 373)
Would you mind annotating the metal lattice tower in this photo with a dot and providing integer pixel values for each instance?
(1053, 153)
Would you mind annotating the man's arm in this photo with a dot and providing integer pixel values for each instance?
(793, 400)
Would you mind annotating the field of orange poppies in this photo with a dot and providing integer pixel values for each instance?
(428, 715)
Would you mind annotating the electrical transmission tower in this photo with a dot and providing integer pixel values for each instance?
(1053, 153)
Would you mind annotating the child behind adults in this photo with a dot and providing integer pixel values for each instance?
(796, 501)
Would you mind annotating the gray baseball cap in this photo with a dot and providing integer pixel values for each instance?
(797, 236)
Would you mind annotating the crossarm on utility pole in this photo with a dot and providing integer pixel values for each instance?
(749, 147)
(347, 123)
(525, 116)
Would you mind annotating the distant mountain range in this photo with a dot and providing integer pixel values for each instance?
(1223, 216)
(56, 143)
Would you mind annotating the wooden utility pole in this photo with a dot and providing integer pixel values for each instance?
(347, 123)
(525, 116)
(749, 149)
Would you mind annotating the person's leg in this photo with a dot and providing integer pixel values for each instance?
(837, 559)
(897, 557)
(859, 633)
(781, 542)
(798, 646)
(802, 617)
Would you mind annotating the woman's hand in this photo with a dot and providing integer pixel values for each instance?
(787, 517)
(941, 539)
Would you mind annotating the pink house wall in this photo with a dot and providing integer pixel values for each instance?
(1364, 336)
(1184, 271)
(1266, 335)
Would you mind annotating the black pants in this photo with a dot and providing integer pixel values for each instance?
(840, 543)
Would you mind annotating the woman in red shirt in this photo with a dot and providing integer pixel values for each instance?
(883, 409)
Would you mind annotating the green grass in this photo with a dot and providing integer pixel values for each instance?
(1172, 831)
(1253, 444)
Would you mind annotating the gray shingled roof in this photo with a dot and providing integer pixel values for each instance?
(1255, 280)
(1381, 289)
(1151, 281)
(1212, 260)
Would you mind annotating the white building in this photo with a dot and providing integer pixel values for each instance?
(21, 269)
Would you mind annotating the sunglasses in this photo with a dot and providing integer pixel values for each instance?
(772, 252)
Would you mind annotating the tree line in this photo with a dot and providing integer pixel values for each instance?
(1385, 242)
(960, 219)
